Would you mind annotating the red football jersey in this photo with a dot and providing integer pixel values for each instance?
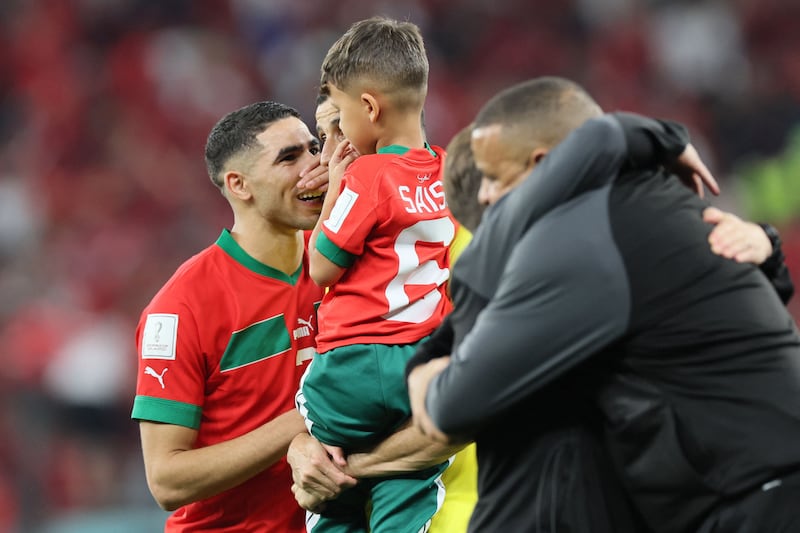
(391, 228)
(222, 348)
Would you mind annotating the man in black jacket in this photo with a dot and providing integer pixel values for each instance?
(602, 306)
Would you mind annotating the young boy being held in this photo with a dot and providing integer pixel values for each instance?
(381, 247)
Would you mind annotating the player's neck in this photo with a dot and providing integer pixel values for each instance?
(281, 250)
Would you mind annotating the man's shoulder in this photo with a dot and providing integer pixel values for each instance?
(199, 264)
(191, 274)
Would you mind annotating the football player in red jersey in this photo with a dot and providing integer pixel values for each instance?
(223, 344)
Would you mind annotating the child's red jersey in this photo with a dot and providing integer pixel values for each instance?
(391, 228)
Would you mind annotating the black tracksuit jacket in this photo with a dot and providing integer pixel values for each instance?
(589, 308)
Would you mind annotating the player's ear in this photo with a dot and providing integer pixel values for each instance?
(236, 185)
(536, 155)
(371, 106)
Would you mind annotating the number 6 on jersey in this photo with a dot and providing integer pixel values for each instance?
(413, 271)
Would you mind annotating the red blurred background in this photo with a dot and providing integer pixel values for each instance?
(104, 110)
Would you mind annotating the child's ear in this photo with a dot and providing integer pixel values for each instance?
(371, 105)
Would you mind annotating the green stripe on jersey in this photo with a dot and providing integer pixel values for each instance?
(256, 342)
(332, 252)
(166, 411)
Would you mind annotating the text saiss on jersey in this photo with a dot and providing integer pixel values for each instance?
(426, 197)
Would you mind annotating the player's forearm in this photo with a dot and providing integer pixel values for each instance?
(407, 450)
(185, 476)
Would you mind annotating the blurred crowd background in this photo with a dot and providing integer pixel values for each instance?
(104, 110)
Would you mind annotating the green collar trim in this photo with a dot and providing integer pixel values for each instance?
(232, 248)
(399, 149)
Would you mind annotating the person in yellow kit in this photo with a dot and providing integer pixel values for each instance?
(462, 181)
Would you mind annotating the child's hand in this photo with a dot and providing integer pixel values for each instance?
(314, 177)
(317, 478)
(344, 154)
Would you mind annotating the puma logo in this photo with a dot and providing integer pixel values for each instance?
(306, 322)
(304, 328)
(148, 371)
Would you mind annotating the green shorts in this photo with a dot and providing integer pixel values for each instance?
(356, 395)
(403, 503)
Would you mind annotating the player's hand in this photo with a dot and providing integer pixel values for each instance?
(314, 177)
(418, 381)
(734, 238)
(336, 455)
(308, 501)
(316, 477)
(693, 172)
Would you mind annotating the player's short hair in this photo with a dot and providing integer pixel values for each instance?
(236, 133)
(462, 180)
(539, 112)
(385, 54)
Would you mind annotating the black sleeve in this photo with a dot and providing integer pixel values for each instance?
(447, 335)
(439, 344)
(560, 300)
(775, 266)
(651, 142)
(590, 157)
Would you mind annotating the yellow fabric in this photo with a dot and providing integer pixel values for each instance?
(461, 478)
(461, 240)
(461, 493)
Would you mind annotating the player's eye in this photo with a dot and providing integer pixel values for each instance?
(315, 149)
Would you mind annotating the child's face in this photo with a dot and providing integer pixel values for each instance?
(354, 118)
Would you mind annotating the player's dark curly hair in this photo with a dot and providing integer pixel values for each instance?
(236, 132)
